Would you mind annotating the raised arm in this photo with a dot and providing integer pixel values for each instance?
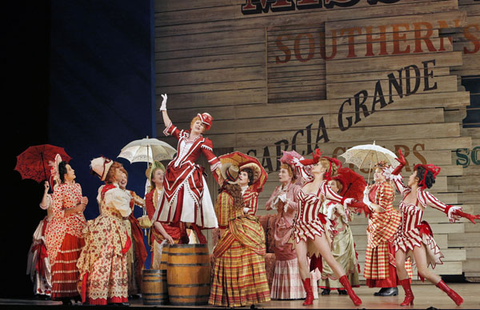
(428, 199)
(163, 109)
(395, 175)
(328, 192)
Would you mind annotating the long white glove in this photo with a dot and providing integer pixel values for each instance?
(163, 107)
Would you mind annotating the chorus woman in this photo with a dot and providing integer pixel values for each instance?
(239, 276)
(160, 232)
(383, 222)
(343, 245)
(64, 234)
(137, 254)
(414, 238)
(313, 232)
(287, 283)
(38, 263)
(103, 262)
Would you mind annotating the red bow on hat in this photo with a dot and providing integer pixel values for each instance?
(336, 162)
(432, 168)
(206, 119)
(316, 157)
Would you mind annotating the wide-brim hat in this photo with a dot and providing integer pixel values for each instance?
(230, 172)
(100, 166)
(257, 171)
(240, 160)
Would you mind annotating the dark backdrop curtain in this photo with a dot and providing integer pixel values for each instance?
(80, 76)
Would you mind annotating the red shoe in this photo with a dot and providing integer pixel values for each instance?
(308, 289)
(451, 293)
(346, 284)
(408, 301)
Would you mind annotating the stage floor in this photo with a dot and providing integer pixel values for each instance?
(426, 296)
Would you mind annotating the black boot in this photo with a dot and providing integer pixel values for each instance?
(325, 291)
(388, 291)
(342, 292)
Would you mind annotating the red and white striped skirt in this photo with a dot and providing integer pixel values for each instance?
(65, 274)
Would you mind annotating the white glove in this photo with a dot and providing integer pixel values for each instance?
(366, 191)
(246, 210)
(330, 211)
(282, 197)
(347, 202)
(163, 107)
(366, 200)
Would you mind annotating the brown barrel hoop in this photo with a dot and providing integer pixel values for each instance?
(193, 261)
(164, 257)
(154, 287)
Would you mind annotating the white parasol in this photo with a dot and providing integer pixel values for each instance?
(366, 155)
(147, 150)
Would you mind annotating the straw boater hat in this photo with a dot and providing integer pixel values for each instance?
(100, 166)
(229, 172)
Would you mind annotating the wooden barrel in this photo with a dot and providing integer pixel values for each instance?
(164, 258)
(154, 287)
(188, 274)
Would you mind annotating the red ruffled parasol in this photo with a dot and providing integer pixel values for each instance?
(353, 183)
(33, 163)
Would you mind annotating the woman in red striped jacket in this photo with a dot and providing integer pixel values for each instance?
(414, 237)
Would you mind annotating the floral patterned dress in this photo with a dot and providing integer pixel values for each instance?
(64, 240)
(103, 262)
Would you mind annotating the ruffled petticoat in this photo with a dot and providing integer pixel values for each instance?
(407, 241)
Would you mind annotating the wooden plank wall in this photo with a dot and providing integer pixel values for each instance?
(332, 77)
(468, 185)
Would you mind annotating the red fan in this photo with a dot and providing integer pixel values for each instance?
(353, 183)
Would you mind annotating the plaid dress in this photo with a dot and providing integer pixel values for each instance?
(239, 277)
(380, 256)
